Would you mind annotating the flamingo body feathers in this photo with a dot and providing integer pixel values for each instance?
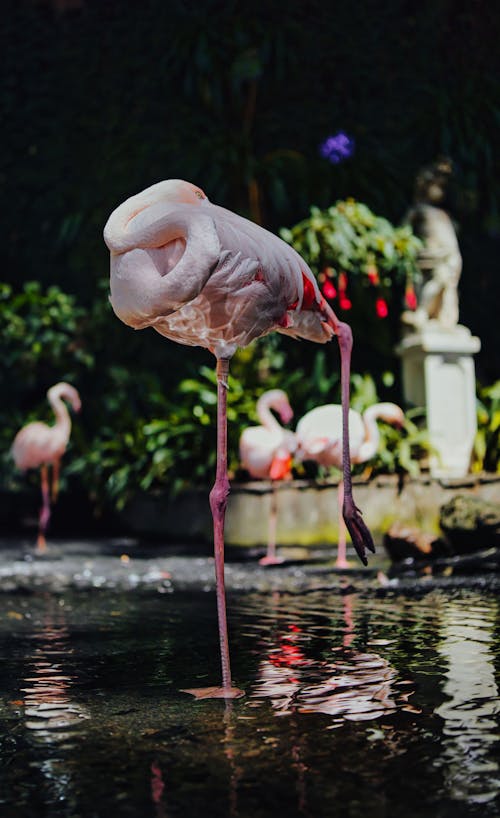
(204, 276)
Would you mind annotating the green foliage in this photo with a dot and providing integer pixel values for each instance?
(405, 450)
(487, 442)
(363, 265)
(347, 237)
(41, 336)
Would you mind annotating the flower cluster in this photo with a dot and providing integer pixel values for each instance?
(330, 292)
(338, 147)
(347, 244)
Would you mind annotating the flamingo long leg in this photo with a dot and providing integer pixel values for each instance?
(341, 561)
(218, 504)
(271, 558)
(360, 535)
(44, 517)
(55, 479)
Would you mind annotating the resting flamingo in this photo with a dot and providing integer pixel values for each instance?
(266, 453)
(38, 445)
(204, 276)
(319, 435)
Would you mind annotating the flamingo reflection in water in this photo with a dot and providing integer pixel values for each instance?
(359, 686)
(48, 708)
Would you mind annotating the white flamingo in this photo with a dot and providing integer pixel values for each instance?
(319, 438)
(266, 453)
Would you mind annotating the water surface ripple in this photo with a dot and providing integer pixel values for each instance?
(356, 704)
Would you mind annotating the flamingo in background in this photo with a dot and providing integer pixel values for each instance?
(319, 435)
(266, 453)
(38, 445)
(204, 276)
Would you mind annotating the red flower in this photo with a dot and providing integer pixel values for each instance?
(381, 308)
(329, 290)
(345, 303)
(372, 273)
(342, 282)
(410, 297)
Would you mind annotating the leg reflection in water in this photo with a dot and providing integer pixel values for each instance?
(228, 745)
(158, 791)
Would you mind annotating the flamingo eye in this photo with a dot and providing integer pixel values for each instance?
(200, 194)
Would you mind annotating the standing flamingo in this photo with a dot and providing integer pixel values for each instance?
(319, 435)
(204, 276)
(266, 452)
(38, 445)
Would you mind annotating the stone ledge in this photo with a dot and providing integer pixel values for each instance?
(307, 510)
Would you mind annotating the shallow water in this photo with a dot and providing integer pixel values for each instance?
(356, 704)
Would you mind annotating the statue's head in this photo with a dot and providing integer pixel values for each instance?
(432, 181)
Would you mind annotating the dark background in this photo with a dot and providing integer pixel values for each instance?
(101, 98)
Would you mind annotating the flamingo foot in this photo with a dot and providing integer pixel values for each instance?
(360, 535)
(214, 692)
(342, 564)
(271, 560)
(41, 544)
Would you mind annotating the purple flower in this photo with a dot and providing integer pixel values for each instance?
(338, 147)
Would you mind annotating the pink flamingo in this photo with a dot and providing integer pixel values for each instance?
(204, 276)
(38, 445)
(319, 436)
(266, 453)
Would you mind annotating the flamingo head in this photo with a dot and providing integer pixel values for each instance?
(164, 247)
(391, 413)
(174, 191)
(277, 400)
(66, 391)
(286, 412)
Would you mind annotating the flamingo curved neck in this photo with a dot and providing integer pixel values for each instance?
(369, 447)
(266, 417)
(63, 419)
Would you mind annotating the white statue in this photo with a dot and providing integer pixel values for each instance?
(439, 261)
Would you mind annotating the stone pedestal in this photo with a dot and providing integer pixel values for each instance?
(438, 373)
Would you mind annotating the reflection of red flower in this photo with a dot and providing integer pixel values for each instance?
(410, 297)
(329, 290)
(381, 308)
(287, 656)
